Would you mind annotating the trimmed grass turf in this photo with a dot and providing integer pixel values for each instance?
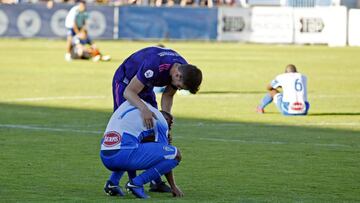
(52, 114)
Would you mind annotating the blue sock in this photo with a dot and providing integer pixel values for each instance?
(116, 176)
(155, 172)
(265, 101)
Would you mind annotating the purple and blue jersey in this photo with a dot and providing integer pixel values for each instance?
(152, 67)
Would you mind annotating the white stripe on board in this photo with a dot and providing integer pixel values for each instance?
(26, 127)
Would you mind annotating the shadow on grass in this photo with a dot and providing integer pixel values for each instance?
(58, 147)
(77, 120)
(336, 114)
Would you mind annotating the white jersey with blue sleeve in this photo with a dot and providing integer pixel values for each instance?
(70, 17)
(294, 86)
(126, 128)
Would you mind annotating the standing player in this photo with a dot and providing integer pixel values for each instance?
(123, 149)
(139, 73)
(74, 22)
(293, 99)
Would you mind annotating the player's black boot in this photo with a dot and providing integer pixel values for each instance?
(113, 190)
(159, 187)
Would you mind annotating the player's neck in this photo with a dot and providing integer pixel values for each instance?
(173, 68)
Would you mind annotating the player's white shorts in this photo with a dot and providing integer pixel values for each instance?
(284, 106)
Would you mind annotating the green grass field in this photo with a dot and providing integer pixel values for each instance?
(53, 113)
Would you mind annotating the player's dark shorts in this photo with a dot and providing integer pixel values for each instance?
(70, 32)
(120, 82)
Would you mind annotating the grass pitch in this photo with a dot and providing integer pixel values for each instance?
(53, 113)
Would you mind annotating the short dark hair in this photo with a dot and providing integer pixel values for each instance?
(290, 68)
(191, 77)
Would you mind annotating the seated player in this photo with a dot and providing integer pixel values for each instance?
(293, 99)
(128, 145)
(83, 48)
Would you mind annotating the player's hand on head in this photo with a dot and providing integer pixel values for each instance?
(177, 192)
(148, 118)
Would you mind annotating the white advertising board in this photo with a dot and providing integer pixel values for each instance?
(272, 25)
(354, 27)
(233, 24)
(320, 25)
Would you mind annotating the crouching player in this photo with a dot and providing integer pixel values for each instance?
(128, 145)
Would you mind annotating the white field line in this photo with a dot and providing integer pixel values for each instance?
(211, 95)
(27, 127)
(287, 124)
(34, 99)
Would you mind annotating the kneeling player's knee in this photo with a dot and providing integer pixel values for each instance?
(178, 155)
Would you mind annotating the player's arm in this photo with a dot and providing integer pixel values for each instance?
(76, 28)
(273, 87)
(269, 87)
(167, 98)
(131, 94)
(175, 189)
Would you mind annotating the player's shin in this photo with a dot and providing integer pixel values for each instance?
(115, 177)
(266, 101)
(155, 172)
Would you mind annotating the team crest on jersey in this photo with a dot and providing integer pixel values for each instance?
(149, 73)
(111, 139)
(169, 149)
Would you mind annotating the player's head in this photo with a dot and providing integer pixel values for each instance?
(168, 117)
(82, 5)
(187, 77)
(290, 69)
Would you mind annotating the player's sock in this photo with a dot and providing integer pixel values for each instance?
(155, 172)
(266, 101)
(157, 181)
(116, 176)
(131, 174)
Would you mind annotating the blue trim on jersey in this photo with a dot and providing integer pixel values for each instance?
(127, 111)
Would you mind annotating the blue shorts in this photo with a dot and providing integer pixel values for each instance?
(144, 157)
(284, 106)
(70, 32)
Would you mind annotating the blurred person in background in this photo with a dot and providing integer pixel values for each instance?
(74, 22)
(293, 98)
(82, 47)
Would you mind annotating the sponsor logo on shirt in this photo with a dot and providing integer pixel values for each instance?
(111, 139)
(168, 53)
(149, 73)
(297, 106)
